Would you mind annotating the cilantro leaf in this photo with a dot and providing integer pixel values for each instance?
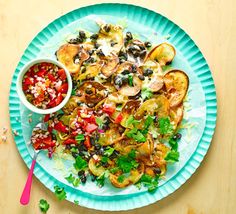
(165, 125)
(130, 80)
(126, 162)
(131, 121)
(136, 134)
(149, 182)
(76, 182)
(101, 180)
(60, 193)
(146, 93)
(104, 159)
(76, 202)
(121, 178)
(80, 163)
(79, 138)
(118, 107)
(109, 151)
(73, 92)
(114, 170)
(99, 122)
(172, 156)
(70, 178)
(174, 144)
(43, 206)
(149, 120)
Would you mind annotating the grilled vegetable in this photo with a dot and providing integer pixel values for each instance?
(176, 83)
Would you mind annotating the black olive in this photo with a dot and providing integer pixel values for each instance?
(92, 141)
(142, 48)
(125, 72)
(145, 72)
(100, 151)
(113, 44)
(97, 146)
(156, 119)
(68, 146)
(118, 81)
(73, 41)
(82, 148)
(122, 53)
(177, 136)
(107, 28)
(90, 60)
(90, 52)
(100, 53)
(81, 172)
(83, 178)
(148, 44)
(157, 170)
(94, 36)
(80, 40)
(79, 103)
(141, 77)
(88, 91)
(54, 137)
(107, 120)
(93, 178)
(136, 53)
(143, 53)
(126, 42)
(96, 45)
(82, 34)
(134, 68)
(150, 71)
(74, 83)
(129, 36)
(121, 129)
(125, 79)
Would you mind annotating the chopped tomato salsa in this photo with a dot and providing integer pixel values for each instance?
(45, 85)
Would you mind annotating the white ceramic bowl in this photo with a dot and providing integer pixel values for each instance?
(23, 97)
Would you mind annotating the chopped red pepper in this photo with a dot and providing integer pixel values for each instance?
(90, 127)
(59, 126)
(58, 99)
(44, 143)
(118, 118)
(70, 141)
(46, 118)
(63, 88)
(108, 109)
(62, 74)
(87, 142)
(28, 81)
(51, 77)
(41, 73)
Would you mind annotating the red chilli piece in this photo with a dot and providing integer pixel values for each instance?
(87, 142)
(60, 127)
(118, 118)
(108, 109)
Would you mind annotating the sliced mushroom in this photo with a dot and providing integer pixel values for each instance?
(128, 90)
(176, 115)
(163, 53)
(155, 106)
(110, 38)
(176, 83)
(66, 55)
(92, 92)
(133, 178)
(110, 65)
(95, 168)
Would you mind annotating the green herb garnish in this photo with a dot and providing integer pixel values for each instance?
(114, 170)
(149, 182)
(72, 180)
(76, 202)
(149, 120)
(173, 144)
(104, 159)
(109, 151)
(80, 163)
(137, 135)
(172, 156)
(121, 178)
(99, 122)
(130, 80)
(60, 193)
(118, 107)
(165, 125)
(131, 121)
(127, 162)
(146, 93)
(43, 205)
(79, 138)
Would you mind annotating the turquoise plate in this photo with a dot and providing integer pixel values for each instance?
(200, 115)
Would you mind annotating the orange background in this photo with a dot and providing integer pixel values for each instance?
(211, 24)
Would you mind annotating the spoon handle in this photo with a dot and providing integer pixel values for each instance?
(25, 196)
